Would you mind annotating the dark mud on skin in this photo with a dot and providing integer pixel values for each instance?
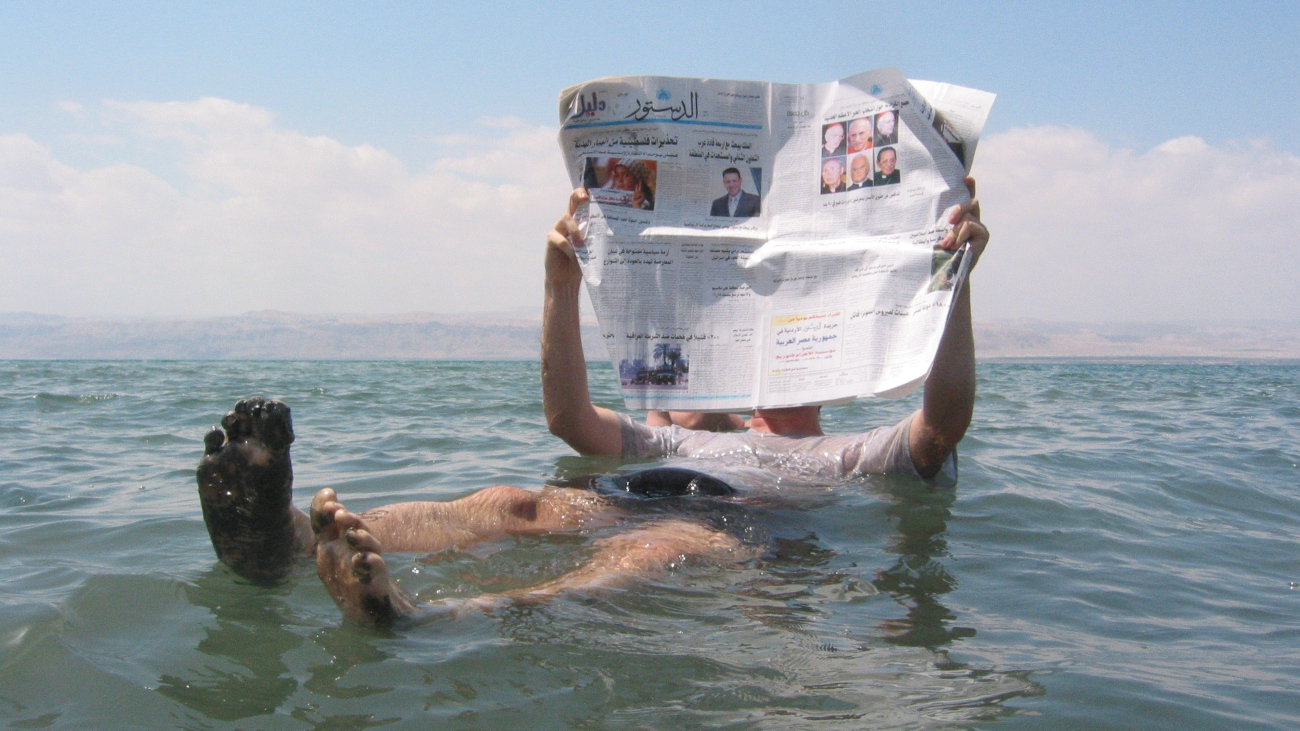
(246, 488)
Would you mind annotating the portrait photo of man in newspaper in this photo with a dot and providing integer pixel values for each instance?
(860, 135)
(887, 172)
(833, 140)
(737, 203)
(860, 171)
(833, 175)
(887, 128)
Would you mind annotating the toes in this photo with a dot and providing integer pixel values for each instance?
(273, 424)
(361, 540)
(348, 520)
(213, 441)
(269, 422)
(323, 509)
(327, 495)
(367, 566)
(239, 422)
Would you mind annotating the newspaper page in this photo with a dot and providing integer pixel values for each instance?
(752, 244)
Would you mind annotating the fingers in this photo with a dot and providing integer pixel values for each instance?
(961, 210)
(567, 229)
(966, 226)
(567, 234)
(577, 198)
(961, 217)
(967, 230)
(974, 200)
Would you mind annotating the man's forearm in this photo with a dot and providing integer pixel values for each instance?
(564, 367)
(949, 400)
(950, 388)
(566, 399)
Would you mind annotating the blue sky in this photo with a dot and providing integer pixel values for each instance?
(395, 74)
(411, 79)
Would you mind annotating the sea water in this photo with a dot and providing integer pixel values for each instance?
(1121, 552)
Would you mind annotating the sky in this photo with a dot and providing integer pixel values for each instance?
(198, 159)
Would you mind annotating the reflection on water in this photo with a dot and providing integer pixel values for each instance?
(247, 644)
(918, 579)
(248, 669)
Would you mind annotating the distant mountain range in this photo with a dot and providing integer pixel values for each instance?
(515, 336)
(1020, 339)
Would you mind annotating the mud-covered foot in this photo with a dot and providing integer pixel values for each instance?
(246, 489)
(349, 563)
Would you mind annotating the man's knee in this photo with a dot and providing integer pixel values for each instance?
(506, 500)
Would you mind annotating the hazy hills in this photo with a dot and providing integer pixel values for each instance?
(515, 335)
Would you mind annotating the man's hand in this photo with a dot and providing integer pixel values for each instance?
(561, 261)
(966, 227)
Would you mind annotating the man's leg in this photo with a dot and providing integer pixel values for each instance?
(246, 486)
(489, 514)
(350, 563)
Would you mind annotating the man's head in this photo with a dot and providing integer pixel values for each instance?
(731, 179)
(859, 134)
(793, 421)
(833, 136)
(832, 172)
(885, 124)
(887, 160)
(860, 168)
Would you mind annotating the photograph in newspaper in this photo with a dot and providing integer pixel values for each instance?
(753, 244)
(735, 201)
(622, 181)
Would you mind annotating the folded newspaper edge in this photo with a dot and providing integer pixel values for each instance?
(752, 244)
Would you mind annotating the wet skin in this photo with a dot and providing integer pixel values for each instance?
(350, 563)
(246, 489)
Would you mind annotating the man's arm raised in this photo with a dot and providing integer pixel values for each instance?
(570, 415)
(949, 400)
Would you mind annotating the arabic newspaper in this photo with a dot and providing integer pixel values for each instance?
(755, 244)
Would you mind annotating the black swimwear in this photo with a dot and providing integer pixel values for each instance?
(655, 482)
(671, 482)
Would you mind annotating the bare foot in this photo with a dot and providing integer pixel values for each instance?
(349, 563)
(246, 488)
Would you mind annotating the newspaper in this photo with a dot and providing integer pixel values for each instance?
(751, 244)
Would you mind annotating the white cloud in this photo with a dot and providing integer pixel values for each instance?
(263, 217)
(1087, 231)
(271, 218)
